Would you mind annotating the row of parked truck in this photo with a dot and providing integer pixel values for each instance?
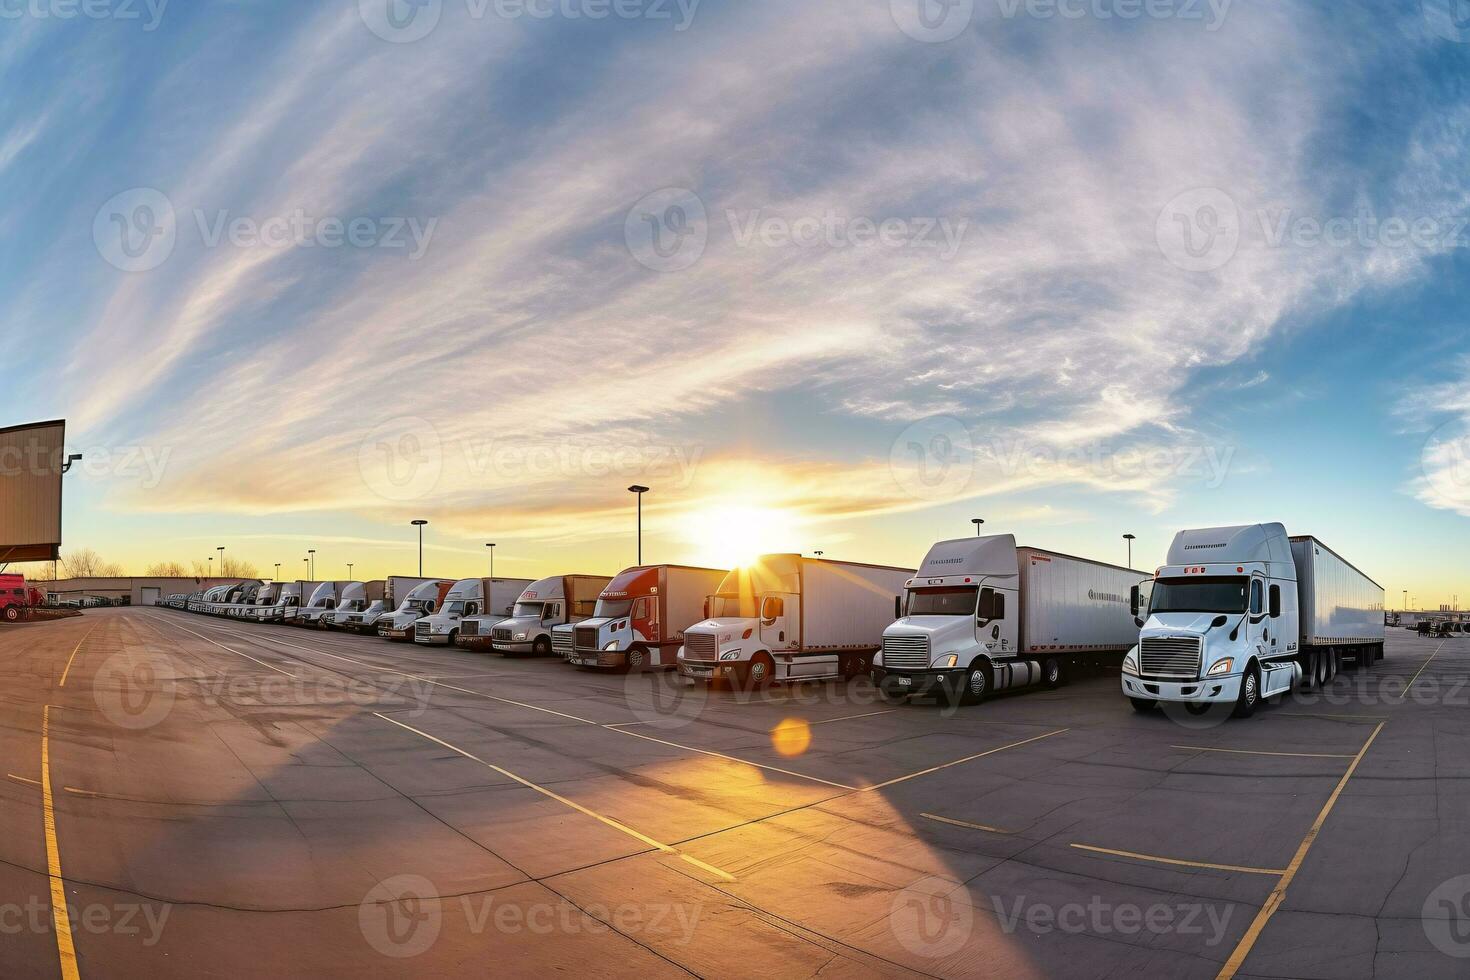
(1235, 616)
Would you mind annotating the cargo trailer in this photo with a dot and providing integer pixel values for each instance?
(1240, 614)
(788, 617)
(983, 615)
(469, 597)
(641, 617)
(541, 607)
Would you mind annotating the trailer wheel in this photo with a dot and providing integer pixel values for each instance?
(1051, 673)
(1250, 693)
(541, 648)
(1143, 705)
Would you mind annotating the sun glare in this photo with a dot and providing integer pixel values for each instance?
(730, 536)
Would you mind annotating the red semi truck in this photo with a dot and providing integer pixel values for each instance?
(16, 598)
(641, 617)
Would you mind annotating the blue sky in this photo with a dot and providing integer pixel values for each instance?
(827, 275)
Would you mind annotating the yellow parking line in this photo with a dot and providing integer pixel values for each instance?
(968, 758)
(609, 821)
(1155, 859)
(60, 917)
(73, 656)
(1289, 755)
(1278, 894)
(961, 823)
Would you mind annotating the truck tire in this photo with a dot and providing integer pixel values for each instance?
(977, 684)
(541, 648)
(758, 675)
(853, 665)
(1051, 674)
(12, 614)
(637, 658)
(1143, 705)
(453, 640)
(1250, 693)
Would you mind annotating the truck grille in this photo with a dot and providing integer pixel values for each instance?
(561, 643)
(469, 628)
(701, 646)
(503, 636)
(905, 652)
(586, 638)
(420, 629)
(1175, 657)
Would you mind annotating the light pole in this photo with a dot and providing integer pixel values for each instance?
(978, 522)
(1406, 600)
(209, 569)
(639, 491)
(491, 546)
(278, 571)
(1130, 538)
(311, 557)
(349, 571)
(221, 550)
(71, 460)
(420, 525)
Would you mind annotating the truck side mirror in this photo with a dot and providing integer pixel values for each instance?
(898, 607)
(706, 609)
(1275, 602)
(1135, 600)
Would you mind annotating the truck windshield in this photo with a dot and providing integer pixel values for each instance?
(412, 605)
(612, 608)
(730, 605)
(1201, 595)
(453, 608)
(956, 601)
(527, 610)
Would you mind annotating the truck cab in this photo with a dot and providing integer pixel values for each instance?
(422, 601)
(624, 624)
(364, 617)
(323, 601)
(466, 598)
(1221, 626)
(540, 609)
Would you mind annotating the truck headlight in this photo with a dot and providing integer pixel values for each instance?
(520, 636)
(1130, 665)
(953, 660)
(612, 647)
(730, 655)
(1222, 667)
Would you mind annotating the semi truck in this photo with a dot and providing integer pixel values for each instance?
(394, 589)
(788, 617)
(323, 600)
(1244, 613)
(355, 598)
(544, 605)
(641, 616)
(983, 615)
(469, 597)
(422, 600)
(15, 598)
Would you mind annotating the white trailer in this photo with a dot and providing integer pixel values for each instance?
(788, 617)
(542, 606)
(983, 615)
(1244, 613)
(469, 597)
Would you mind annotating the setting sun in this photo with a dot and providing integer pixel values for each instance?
(733, 535)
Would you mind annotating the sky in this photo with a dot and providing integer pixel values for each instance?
(833, 276)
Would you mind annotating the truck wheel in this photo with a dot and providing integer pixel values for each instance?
(636, 658)
(541, 648)
(977, 684)
(453, 638)
(760, 671)
(12, 614)
(1143, 705)
(854, 665)
(1051, 673)
(1250, 694)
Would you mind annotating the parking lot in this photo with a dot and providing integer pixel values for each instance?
(242, 800)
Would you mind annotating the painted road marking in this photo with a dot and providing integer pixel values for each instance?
(962, 823)
(22, 779)
(73, 657)
(1360, 719)
(1287, 755)
(1155, 859)
(968, 758)
(731, 758)
(1278, 894)
(833, 721)
(238, 653)
(60, 917)
(1422, 669)
(609, 821)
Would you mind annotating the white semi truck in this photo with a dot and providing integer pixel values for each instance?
(324, 599)
(353, 597)
(469, 597)
(1244, 613)
(641, 617)
(420, 601)
(288, 600)
(544, 605)
(983, 615)
(788, 617)
(393, 590)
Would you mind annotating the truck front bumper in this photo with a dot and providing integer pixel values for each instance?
(598, 658)
(432, 639)
(396, 635)
(704, 670)
(1212, 690)
(476, 642)
(513, 646)
(921, 683)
